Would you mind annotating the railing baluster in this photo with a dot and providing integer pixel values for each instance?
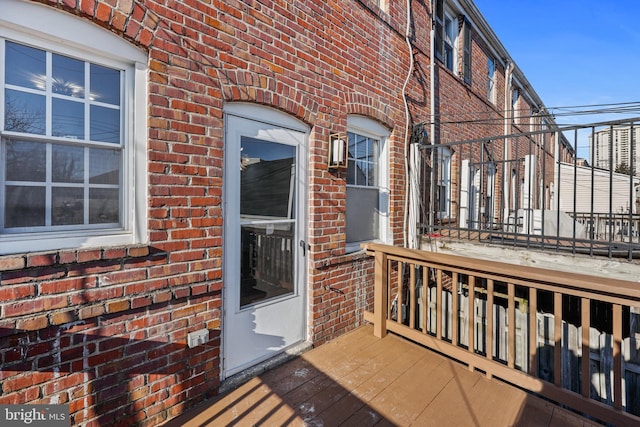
(489, 322)
(387, 283)
(511, 312)
(425, 299)
(455, 317)
(557, 349)
(471, 316)
(381, 294)
(617, 356)
(412, 296)
(400, 293)
(586, 349)
(471, 313)
(439, 304)
(533, 331)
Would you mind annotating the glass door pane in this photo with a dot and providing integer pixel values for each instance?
(267, 220)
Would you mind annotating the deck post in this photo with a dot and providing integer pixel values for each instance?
(380, 296)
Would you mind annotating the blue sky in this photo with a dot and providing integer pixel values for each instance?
(573, 52)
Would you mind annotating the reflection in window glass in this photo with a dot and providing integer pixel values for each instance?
(261, 280)
(267, 179)
(24, 112)
(68, 76)
(68, 163)
(68, 182)
(67, 118)
(28, 66)
(67, 206)
(26, 161)
(363, 190)
(105, 85)
(24, 206)
(104, 166)
(363, 160)
(104, 206)
(105, 124)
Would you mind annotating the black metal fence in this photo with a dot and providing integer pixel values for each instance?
(572, 189)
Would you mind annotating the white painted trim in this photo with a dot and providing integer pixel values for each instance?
(64, 30)
(264, 114)
(370, 128)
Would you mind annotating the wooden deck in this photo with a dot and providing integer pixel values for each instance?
(360, 380)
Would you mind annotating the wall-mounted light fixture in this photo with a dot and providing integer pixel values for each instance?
(337, 158)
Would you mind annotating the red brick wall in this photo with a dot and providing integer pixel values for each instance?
(105, 329)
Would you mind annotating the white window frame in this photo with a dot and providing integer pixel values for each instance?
(515, 97)
(491, 79)
(369, 128)
(467, 54)
(443, 184)
(450, 40)
(49, 29)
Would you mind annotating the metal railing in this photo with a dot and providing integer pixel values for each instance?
(532, 189)
(568, 337)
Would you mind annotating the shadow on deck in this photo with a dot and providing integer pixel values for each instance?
(360, 380)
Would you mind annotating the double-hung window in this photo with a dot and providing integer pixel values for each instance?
(450, 39)
(491, 79)
(515, 95)
(466, 51)
(367, 189)
(444, 183)
(70, 125)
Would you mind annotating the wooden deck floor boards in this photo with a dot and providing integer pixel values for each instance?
(360, 380)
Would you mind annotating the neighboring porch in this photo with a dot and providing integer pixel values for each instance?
(361, 380)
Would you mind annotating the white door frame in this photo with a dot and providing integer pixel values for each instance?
(257, 332)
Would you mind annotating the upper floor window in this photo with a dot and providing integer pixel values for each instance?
(515, 95)
(491, 79)
(466, 51)
(367, 182)
(69, 123)
(444, 182)
(450, 41)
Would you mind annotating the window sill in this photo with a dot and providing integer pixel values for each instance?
(358, 255)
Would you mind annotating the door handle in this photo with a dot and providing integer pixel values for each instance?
(304, 245)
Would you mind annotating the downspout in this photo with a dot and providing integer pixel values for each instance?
(507, 143)
(432, 106)
(409, 231)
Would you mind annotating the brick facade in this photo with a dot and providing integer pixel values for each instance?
(104, 329)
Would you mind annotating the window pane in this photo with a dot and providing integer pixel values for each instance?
(104, 166)
(24, 112)
(360, 147)
(267, 179)
(267, 262)
(24, 206)
(105, 124)
(68, 76)
(68, 163)
(105, 85)
(67, 118)
(68, 206)
(26, 161)
(104, 206)
(362, 214)
(362, 172)
(26, 66)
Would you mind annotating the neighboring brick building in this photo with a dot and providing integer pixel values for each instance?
(165, 171)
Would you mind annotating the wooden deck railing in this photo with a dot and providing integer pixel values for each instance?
(527, 326)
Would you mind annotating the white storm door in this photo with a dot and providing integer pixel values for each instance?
(264, 257)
